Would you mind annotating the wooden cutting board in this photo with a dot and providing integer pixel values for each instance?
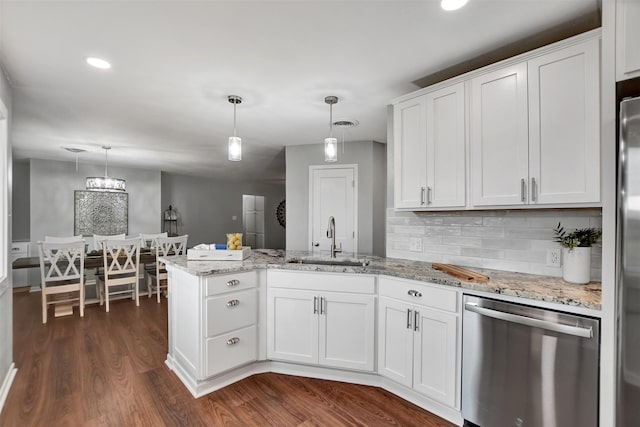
(461, 273)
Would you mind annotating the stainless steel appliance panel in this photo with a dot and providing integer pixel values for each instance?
(528, 367)
(628, 261)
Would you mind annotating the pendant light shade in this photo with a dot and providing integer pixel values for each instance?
(105, 183)
(235, 142)
(331, 143)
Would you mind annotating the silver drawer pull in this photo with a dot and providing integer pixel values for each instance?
(414, 293)
(233, 303)
(234, 340)
(233, 282)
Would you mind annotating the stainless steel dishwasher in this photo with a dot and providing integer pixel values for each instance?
(528, 367)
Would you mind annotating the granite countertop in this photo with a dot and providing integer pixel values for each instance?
(541, 288)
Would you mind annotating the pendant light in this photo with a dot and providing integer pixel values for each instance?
(235, 142)
(331, 143)
(105, 183)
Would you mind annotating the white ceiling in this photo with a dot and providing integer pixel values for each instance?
(163, 105)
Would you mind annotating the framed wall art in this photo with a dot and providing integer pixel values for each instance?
(100, 212)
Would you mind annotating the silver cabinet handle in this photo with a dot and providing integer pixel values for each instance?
(409, 319)
(416, 320)
(323, 309)
(414, 293)
(233, 303)
(233, 282)
(316, 244)
(315, 305)
(234, 340)
(422, 195)
(534, 189)
(523, 190)
(529, 321)
(428, 195)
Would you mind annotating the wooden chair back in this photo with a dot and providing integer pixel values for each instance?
(121, 256)
(99, 239)
(172, 245)
(61, 261)
(144, 238)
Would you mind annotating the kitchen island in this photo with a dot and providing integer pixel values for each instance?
(390, 323)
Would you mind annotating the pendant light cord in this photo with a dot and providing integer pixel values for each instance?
(234, 118)
(331, 120)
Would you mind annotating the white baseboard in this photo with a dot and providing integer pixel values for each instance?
(6, 384)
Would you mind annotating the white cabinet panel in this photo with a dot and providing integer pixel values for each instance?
(292, 325)
(227, 351)
(410, 153)
(395, 341)
(346, 331)
(434, 360)
(498, 136)
(627, 39)
(564, 130)
(446, 163)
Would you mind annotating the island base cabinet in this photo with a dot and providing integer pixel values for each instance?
(230, 350)
(417, 348)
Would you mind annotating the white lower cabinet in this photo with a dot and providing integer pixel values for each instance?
(418, 335)
(309, 320)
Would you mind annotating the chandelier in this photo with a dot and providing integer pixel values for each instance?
(105, 183)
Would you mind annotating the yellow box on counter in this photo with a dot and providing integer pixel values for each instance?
(218, 255)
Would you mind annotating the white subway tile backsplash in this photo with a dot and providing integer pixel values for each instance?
(512, 240)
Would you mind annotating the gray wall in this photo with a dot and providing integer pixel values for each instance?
(52, 186)
(206, 206)
(369, 156)
(20, 201)
(6, 299)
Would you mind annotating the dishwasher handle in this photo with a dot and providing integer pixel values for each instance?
(529, 321)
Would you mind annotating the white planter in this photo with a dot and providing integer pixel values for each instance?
(576, 265)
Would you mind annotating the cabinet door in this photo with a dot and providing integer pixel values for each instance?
(395, 341)
(564, 130)
(410, 153)
(292, 325)
(498, 137)
(445, 147)
(627, 36)
(434, 355)
(347, 325)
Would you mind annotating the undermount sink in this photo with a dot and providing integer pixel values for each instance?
(341, 262)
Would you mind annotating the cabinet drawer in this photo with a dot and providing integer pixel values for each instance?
(230, 350)
(322, 281)
(231, 311)
(425, 294)
(231, 282)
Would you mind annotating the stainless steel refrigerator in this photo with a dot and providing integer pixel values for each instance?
(628, 260)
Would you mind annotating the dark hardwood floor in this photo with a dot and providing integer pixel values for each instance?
(108, 369)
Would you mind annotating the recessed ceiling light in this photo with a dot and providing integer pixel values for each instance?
(452, 4)
(98, 63)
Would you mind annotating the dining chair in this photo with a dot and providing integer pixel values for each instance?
(144, 238)
(157, 275)
(121, 260)
(61, 272)
(98, 239)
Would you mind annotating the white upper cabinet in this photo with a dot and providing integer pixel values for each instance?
(534, 132)
(430, 150)
(498, 137)
(410, 153)
(627, 39)
(446, 166)
(564, 125)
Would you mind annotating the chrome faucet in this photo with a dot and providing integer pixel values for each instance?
(331, 234)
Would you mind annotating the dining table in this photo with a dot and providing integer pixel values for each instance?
(92, 260)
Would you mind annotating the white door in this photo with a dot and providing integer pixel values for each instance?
(564, 125)
(333, 194)
(292, 325)
(498, 137)
(410, 153)
(253, 220)
(5, 266)
(346, 331)
(395, 341)
(445, 147)
(434, 355)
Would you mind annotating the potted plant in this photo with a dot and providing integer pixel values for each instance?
(576, 252)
